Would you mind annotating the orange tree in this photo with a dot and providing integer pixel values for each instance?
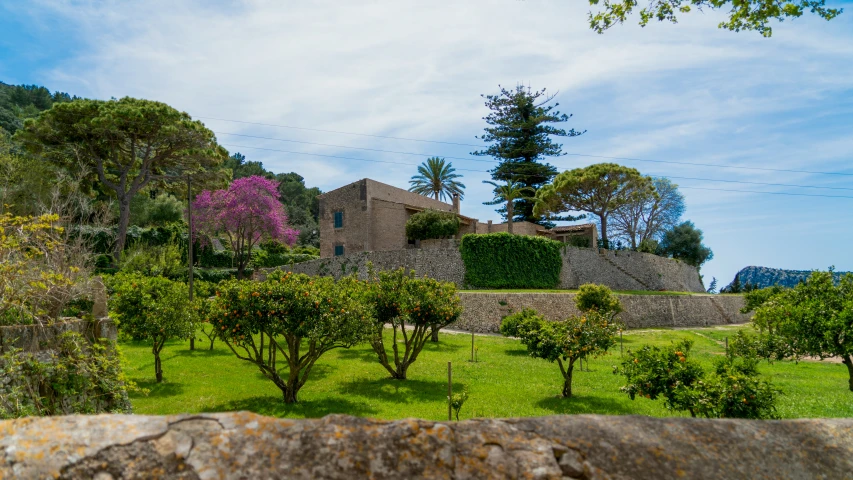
(565, 342)
(731, 390)
(815, 318)
(414, 308)
(152, 308)
(284, 324)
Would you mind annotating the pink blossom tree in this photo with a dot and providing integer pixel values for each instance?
(247, 212)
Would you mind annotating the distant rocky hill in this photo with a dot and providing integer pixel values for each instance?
(766, 277)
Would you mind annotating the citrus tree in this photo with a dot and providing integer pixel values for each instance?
(284, 324)
(414, 308)
(565, 342)
(732, 389)
(815, 318)
(155, 309)
(599, 298)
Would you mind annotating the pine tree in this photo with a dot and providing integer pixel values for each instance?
(519, 134)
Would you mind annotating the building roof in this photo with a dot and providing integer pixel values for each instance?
(572, 228)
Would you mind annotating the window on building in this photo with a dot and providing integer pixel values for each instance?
(339, 250)
(339, 219)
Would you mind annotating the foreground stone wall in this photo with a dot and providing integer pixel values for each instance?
(35, 338)
(483, 312)
(442, 260)
(245, 445)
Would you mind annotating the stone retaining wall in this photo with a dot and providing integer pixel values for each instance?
(245, 445)
(483, 312)
(35, 338)
(619, 270)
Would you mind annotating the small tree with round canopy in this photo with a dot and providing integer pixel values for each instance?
(414, 308)
(154, 309)
(291, 319)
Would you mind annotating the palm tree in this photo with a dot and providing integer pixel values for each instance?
(509, 192)
(437, 179)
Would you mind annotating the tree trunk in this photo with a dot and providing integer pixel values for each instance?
(192, 343)
(847, 360)
(123, 222)
(567, 377)
(211, 343)
(509, 215)
(158, 366)
(604, 241)
(434, 336)
(289, 395)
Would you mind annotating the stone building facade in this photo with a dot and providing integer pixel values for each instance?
(370, 216)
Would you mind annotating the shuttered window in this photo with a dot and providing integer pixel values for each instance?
(339, 219)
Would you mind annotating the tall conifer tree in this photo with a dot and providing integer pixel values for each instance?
(519, 134)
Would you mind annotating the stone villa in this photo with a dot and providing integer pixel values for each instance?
(371, 216)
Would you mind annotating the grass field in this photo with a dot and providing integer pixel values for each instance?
(505, 382)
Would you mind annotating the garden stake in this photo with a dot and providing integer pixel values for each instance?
(620, 342)
(449, 392)
(727, 345)
(472, 345)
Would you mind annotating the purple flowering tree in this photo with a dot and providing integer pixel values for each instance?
(247, 212)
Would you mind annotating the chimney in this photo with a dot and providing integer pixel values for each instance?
(456, 203)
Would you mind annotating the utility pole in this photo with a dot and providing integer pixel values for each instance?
(190, 246)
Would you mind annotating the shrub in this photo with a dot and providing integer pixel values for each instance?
(216, 275)
(41, 268)
(579, 241)
(306, 250)
(74, 377)
(154, 261)
(598, 298)
(514, 325)
(210, 258)
(501, 260)
(648, 245)
(731, 390)
(432, 224)
(274, 246)
(154, 309)
(568, 341)
(415, 306)
(291, 319)
(264, 259)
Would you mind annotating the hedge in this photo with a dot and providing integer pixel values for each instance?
(501, 260)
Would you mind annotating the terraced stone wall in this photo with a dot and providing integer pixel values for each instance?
(619, 270)
(483, 312)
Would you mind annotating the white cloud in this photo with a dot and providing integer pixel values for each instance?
(686, 92)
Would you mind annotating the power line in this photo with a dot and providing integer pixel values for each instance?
(673, 162)
(753, 183)
(492, 161)
(353, 148)
(768, 193)
(604, 157)
(484, 171)
(342, 133)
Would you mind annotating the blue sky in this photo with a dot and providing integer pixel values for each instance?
(684, 93)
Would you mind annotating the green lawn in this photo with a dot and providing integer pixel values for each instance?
(504, 383)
